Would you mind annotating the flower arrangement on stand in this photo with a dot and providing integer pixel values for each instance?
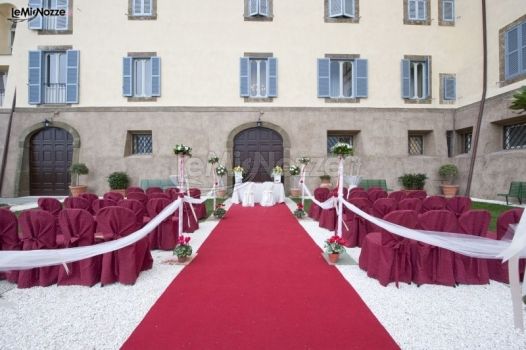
(276, 173)
(220, 172)
(299, 212)
(213, 159)
(342, 149)
(183, 150)
(183, 250)
(294, 171)
(219, 211)
(238, 170)
(334, 246)
(304, 160)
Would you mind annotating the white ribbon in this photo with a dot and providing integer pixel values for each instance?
(328, 204)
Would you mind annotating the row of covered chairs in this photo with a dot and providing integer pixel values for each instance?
(390, 258)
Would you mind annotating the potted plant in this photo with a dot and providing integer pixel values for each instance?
(183, 250)
(78, 169)
(334, 246)
(413, 182)
(238, 174)
(294, 171)
(276, 174)
(220, 211)
(325, 180)
(221, 171)
(299, 212)
(448, 172)
(119, 182)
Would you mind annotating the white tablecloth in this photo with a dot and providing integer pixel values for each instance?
(266, 193)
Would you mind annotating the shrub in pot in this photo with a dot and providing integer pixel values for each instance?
(78, 169)
(119, 182)
(448, 172)
(413, 181)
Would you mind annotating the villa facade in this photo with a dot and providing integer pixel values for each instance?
(116, 84)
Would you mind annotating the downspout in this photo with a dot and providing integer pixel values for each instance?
(6, 144)
(482, 101)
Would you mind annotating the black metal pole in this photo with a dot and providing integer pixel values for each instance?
(6, 144)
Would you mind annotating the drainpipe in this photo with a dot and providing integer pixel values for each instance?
(6, 144)
(482, 101)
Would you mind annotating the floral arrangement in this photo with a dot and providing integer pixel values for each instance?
(220, 211)
(304, 160)
(221, 170)
(183, 150)
(342, 149)
(299, 212)
(183, 249)
(238, 170)
(294, 170)
(277, 170)
(213, 159)
(335, 245)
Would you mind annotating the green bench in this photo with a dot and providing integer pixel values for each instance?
(517, 190)
(164, 184)
(368, 183)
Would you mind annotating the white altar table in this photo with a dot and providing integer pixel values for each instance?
(266, 194)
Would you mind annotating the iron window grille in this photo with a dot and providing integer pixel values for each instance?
(416, 145)
(333, 139)
(515, 136)
(142, 144)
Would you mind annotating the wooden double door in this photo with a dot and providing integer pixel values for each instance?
(258, 150)
(51, 152)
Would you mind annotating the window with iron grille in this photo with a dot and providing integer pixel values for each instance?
(466, 138)
(515, 136)
(142, 143)
(416, 145)
(335, 137)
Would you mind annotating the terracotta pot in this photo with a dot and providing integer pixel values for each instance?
(121, 191)
(333, 258)
(221, 193)
(77, 190)
(449, 191)
(295, 192)
(182, 259)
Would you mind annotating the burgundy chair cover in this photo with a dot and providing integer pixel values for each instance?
(38, 232)
(156, 195)
(9, 239)
(498, 271)
(358, 194)
(98, 204)
(410, 204)
(138, 209)
(459, 205)
(472, 270)
(381, 207)
(328, 219)
(359, 189)
(165, 235)
(372, 189)
(355, 228)
(77, 203)
(89, 196)
(78, 228)
(154, 190)
(397, 195)
(134, 189)
(138, 196)
(417, 194)
(376, 194)
(173, 192)
(321, 194)
(200, 209)
(433, 265)
(387, 257)
(434, 203)
(51, 205)
(190, 224)
(114, 196)
(123, 265)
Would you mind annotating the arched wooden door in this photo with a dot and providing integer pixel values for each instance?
(258, 150)
(51, 151)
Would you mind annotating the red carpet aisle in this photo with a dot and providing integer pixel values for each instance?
(259, 282)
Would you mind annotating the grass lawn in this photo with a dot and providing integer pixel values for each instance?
(209, 205)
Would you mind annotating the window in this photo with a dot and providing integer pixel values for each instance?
(50, 23)
(333, 137)
(255, 9)
(417, 12)
(415, 79)
(515, 136)
(12, 33)
(416, 145)
(258, 77)
(515, 51)
(342, 78)
(142, 143)
(3, 79)
(446, 10)
(142, 9)
(54, 77)
(142, 77)
(465, 142)
(448, 88)
(342, 11)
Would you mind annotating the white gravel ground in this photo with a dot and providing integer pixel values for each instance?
(433, 317)
(429, 317)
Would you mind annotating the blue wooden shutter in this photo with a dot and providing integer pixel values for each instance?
(264, 8)
(137, 7)
(35, 78)
(411, 9)
(335, 8)
(450, 88)
(272, 77)
(62, 21)
(244, 76)
(147, 7)
(426, 79)
(512, 53)
(448, 10)
(72, 76)
(127, 76)
(523, 53)
(324, 77)
(253, 7)
(421, 9)
(37, 22)
(156, 76)
(361, 78)
(348, 8)
(406, 79)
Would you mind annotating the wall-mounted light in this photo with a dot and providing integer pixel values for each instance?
(47, 123)
(259, 122)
